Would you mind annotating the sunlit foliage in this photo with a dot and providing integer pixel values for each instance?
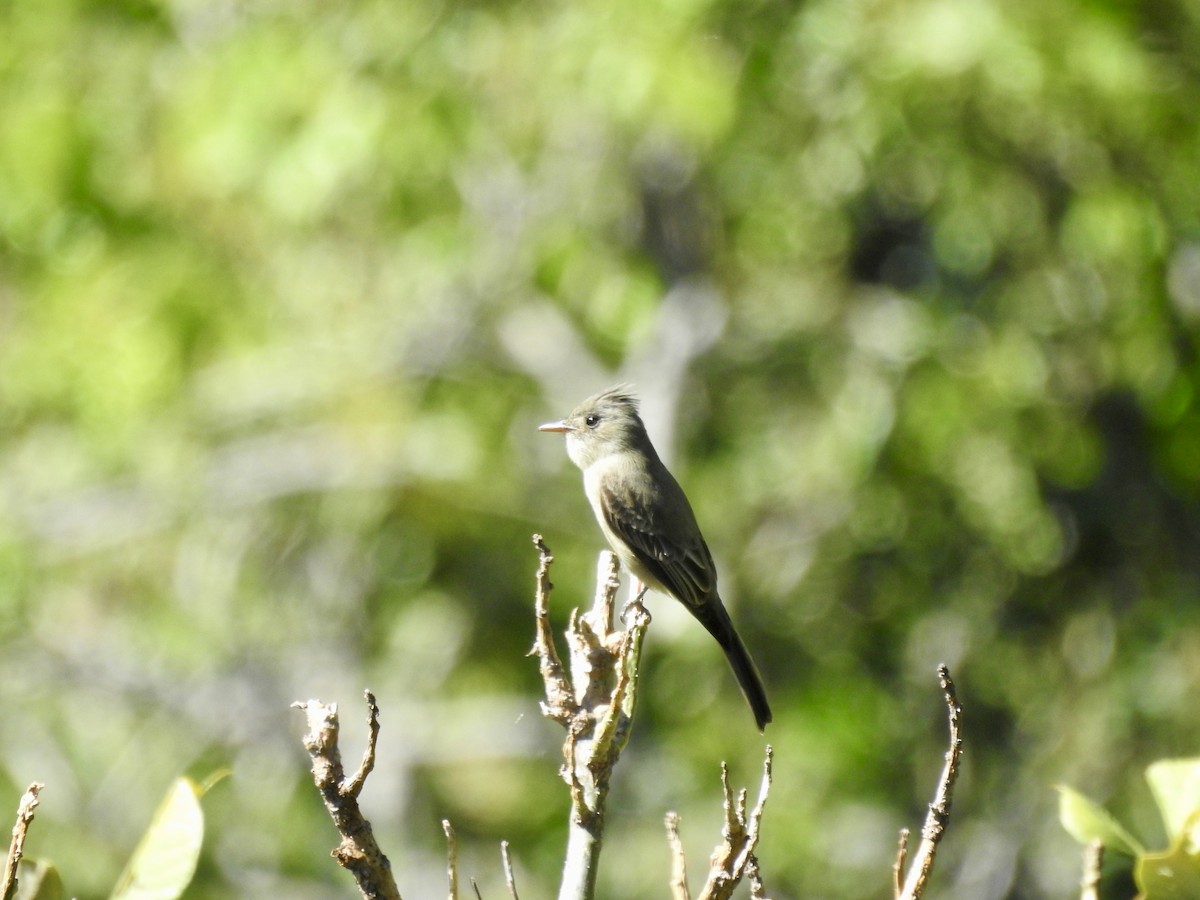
(911, 291)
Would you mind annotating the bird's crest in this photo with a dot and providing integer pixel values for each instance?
(619, 395)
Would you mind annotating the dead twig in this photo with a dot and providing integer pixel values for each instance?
(595, 706)
(354, 786)
(509, 878)
(559, 700)
(1093, 860)
(16, 848)
(898, 865)
(357, 852)
(679, 885)
(939, 810)
(451, 858)
(734, 857)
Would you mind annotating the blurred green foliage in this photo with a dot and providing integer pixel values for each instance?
(1173, 872)
(911, 291)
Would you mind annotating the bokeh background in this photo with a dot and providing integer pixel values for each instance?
(910, 291)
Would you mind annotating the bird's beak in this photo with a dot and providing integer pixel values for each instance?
(554, 426)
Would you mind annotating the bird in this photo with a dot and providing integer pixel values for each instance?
(649, 523)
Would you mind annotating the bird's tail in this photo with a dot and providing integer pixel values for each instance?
(716, 619)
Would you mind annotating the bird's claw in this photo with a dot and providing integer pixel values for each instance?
(635, 606)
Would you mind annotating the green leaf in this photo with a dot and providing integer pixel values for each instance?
(164, 862)
(1175, 784)
(39, 880)
(1174, 875)
(1086, 821)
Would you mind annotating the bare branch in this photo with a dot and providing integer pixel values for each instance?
(451, 858)
(757, 891)
(939, 811)
(16, 848)
(734, 857)
(898, 865)
(559, 699)
(679, 885)
(613, 730)
(1093, 860)
(595, 707)
(358, 852)
(509, 878)
(354, 786)
(764, 788)
(604, 603)
(579, 806)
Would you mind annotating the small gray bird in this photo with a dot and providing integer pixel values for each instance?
(649, 523)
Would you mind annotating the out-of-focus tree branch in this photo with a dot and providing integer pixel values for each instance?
(1093, 861)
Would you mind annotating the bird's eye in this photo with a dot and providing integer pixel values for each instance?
(591, 421)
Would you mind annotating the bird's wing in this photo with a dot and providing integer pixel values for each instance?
(687, 571)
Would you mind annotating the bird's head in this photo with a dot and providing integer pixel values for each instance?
(601, 425)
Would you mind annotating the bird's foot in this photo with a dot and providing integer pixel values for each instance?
(635, 605)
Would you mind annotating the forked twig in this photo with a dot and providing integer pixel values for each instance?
(357, 852)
